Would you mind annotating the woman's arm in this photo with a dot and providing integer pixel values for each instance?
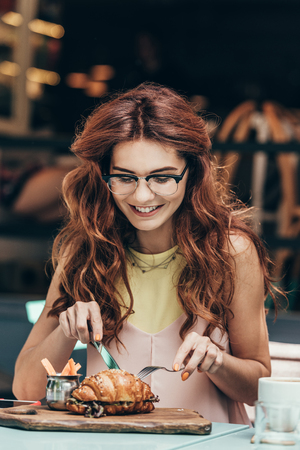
(53, 339)
(236, 375)
(248, 333)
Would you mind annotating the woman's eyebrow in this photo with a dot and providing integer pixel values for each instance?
(120, 169)
(163, 169)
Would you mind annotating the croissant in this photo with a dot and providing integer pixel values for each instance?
(111, 392)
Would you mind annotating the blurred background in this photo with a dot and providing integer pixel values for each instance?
(237, 61)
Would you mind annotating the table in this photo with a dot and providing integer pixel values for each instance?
(12, 439)
(239, 440)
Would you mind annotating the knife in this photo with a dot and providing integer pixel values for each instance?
(108, 359)
(31, 402)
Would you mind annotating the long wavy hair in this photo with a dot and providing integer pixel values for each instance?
(90, 249)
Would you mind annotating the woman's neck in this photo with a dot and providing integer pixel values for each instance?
(153, 242)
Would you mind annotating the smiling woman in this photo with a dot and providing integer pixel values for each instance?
(142, 204)
(159, 259)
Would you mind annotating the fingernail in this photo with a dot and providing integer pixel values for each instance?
(176, 367)
(97, 337)
(185, 376)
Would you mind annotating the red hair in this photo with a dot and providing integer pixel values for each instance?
(97, 233)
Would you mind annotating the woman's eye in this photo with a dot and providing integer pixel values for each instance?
(161, 180)
(125, 180)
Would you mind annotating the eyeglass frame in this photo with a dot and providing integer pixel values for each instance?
(177, 179)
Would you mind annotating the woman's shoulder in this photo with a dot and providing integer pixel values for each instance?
(241, 245)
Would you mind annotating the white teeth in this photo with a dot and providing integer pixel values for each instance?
(145, 210)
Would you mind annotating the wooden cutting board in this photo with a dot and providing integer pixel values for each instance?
(161, 420)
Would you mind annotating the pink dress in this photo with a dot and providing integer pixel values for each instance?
(197, 393)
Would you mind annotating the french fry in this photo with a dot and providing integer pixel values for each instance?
(77, 367)
(48, 366)
(72, 367)
(66, 369)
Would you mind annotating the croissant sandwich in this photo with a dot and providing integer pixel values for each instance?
(111, 392)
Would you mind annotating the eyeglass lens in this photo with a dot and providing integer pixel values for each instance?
(127, 185)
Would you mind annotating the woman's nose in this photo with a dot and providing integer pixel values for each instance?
(143, 192)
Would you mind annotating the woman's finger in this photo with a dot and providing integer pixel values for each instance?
(212, 361)
(92, 314)
(187, 359)
(209, 358)
(217, 363)
(82, 329)
(184, 351)
(64, 323)
(96, 321)
(197, 356)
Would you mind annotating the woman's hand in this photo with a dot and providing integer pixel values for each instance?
(74, 320)
(198, 352)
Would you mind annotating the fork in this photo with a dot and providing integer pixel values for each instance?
(146, 371)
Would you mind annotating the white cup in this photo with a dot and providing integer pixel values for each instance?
(280, 398)
(279, 390)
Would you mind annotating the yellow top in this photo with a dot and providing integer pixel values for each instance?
(154, 291)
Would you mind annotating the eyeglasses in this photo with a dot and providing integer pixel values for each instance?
(159, 184)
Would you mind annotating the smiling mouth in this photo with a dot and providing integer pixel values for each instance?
(146, 209)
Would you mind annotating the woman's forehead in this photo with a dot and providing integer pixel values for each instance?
(145, 152)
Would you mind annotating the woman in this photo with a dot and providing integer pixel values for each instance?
(163, 266)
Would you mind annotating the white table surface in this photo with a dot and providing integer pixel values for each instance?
(16, 439)
(241, 440)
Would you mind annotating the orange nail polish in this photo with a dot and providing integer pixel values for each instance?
(97, 337)
(176, 367)
(185, 376)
